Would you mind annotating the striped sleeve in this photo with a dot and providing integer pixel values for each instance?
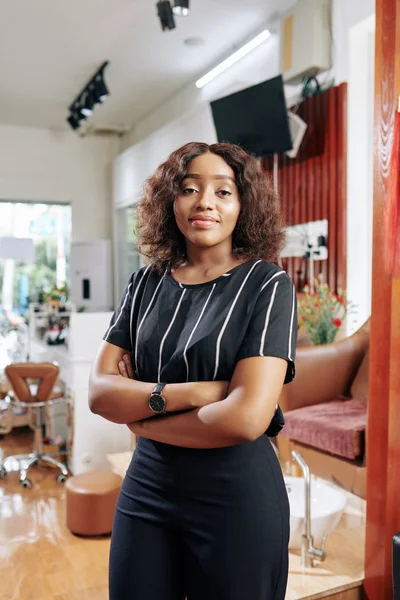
(273, 325)
(119, 330)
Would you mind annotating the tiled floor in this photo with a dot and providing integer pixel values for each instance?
(39, 558)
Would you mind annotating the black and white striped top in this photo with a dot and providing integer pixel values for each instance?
(178, 332)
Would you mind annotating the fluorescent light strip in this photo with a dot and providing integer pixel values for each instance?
(234, 58)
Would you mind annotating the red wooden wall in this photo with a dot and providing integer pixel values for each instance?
(313, 185)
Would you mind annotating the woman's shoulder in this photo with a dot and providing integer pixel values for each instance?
(145, 272)
(267, 271)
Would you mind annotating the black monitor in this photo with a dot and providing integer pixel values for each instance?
(255, 118)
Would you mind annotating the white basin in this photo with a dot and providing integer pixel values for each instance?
(327, 506)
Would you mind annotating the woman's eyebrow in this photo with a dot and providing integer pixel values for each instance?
(197, 176)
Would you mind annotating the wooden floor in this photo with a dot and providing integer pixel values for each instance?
(39, 558)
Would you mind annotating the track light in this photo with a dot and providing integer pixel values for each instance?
(73, 121)
(95, 92)
(100, 91)
(88, 104)
(181, 8)
(165, 15)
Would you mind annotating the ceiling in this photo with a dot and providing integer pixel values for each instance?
(49, 49)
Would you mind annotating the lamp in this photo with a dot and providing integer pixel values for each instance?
(181, 8)
(165, 15)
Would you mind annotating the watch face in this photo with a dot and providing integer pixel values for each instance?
(157, 403)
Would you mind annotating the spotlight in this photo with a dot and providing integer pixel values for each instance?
(165, 15)
(181, 8)
(88, 104)
(76, 119)
(100, 89)
(73, 121)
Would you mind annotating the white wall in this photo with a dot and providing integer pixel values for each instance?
(360, 169)
(45, 166)
(260, 65)
(187, 116)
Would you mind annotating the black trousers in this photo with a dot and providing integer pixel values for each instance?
(202, 524)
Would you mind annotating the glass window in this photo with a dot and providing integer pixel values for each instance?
(129, 259)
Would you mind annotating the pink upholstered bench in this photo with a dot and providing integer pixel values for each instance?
(337, 427)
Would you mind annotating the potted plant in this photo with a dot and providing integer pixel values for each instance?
(321, 312)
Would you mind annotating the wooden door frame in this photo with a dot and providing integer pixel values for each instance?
(383, 439)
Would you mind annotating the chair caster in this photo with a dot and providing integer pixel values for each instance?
(26, 483)
(3, 473)
(61, 478)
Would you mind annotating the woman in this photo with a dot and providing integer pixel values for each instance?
(209, 328)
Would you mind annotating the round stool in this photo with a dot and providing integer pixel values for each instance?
(90, 502)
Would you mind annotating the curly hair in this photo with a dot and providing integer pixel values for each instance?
(259, 229)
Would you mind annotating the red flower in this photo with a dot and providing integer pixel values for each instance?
(337, 322)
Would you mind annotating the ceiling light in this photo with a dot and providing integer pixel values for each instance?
(94, 92)
(100, 91)
(88, 104)
(165, 14)
(74, 121)
(234, 58)
(181, 8)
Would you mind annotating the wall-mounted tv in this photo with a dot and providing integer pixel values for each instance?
(255, 118)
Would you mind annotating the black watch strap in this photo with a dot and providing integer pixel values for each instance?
(159, 388)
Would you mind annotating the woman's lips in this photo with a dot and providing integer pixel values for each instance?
(203, 223)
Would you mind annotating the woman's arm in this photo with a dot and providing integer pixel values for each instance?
(243, 416)
(124, 400)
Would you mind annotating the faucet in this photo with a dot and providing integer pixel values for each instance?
(308, 551)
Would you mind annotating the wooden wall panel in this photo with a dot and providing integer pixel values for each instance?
(383, 439)
(313, 185)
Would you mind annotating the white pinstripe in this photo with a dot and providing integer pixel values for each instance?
(167, 332)
(141, 322)
(133, 305)
(271, 278)
(267, 316)
(194, 329)
(291, 325)
(228, 317)
(120, 312)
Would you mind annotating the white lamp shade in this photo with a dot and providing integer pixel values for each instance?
(19, 249)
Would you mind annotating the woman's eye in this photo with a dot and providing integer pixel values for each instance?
(188, 191)
(224, 193)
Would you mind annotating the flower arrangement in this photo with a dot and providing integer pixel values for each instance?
(322, 312)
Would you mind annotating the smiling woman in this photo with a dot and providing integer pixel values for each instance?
(237, 183)
(194, 361)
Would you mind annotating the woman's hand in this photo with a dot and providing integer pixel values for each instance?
(125, 367)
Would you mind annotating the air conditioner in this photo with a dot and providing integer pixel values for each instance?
(306, 40)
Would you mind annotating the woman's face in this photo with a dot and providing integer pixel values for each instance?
(208, 204)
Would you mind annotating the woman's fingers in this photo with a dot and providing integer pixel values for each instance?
(128, 365)
(122, 369)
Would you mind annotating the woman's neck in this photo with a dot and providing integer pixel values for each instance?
(206, 259)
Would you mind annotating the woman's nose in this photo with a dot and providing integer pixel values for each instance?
(206, 200)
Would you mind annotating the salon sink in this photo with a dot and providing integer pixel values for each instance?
(327, 506)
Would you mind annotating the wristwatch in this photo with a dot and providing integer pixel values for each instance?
(157, 402)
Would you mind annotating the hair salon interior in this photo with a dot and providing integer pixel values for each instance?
(94, 96)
